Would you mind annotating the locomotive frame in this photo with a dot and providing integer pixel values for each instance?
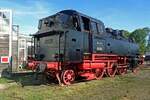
(91, 65)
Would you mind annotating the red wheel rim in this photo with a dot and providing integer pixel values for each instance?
(135, 70)
(111, 71)
(99, 73)
(122, 71)
(68, 77)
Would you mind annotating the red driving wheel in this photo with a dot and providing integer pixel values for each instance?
(67, 76)
(111, 70)
(122, 70)
(99, 73)
(135, 70)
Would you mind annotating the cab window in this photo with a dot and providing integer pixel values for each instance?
(100, 29)
(86, 24)
(76, 23)
(40, 24)
(94, 27)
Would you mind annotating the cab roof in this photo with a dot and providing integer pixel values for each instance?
(74, 12)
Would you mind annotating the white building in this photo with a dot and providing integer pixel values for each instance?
(13, 45)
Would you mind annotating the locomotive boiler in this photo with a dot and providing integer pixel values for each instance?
(70, 44)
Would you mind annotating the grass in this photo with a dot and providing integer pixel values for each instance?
(128, 87)
(4, 80)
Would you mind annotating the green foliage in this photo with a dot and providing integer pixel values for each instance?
(146, 29)
(126, 34)
(148, 48)
(148, 44)
(148, 34)
(139, 35)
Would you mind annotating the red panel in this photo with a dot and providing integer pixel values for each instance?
(50, 65)
(97, 65)
(53, 65)
(4, 59)
(91, 65)
(85, 66)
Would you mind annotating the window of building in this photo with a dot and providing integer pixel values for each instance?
(94, 27)
(22, 43)
(86, 25)
(4, 22)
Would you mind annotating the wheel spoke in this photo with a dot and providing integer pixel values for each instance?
(111, 70)
(99, 73)
(122, 70)
(68, 76)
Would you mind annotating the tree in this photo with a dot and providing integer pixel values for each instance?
(126, 34)
(147, 29)
(148, 43)
(139, 35)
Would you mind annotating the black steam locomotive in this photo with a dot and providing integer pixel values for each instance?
(73, 44)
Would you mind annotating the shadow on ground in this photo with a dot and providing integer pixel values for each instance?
(28, 78)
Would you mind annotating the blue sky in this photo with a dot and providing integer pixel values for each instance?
(118, 14)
